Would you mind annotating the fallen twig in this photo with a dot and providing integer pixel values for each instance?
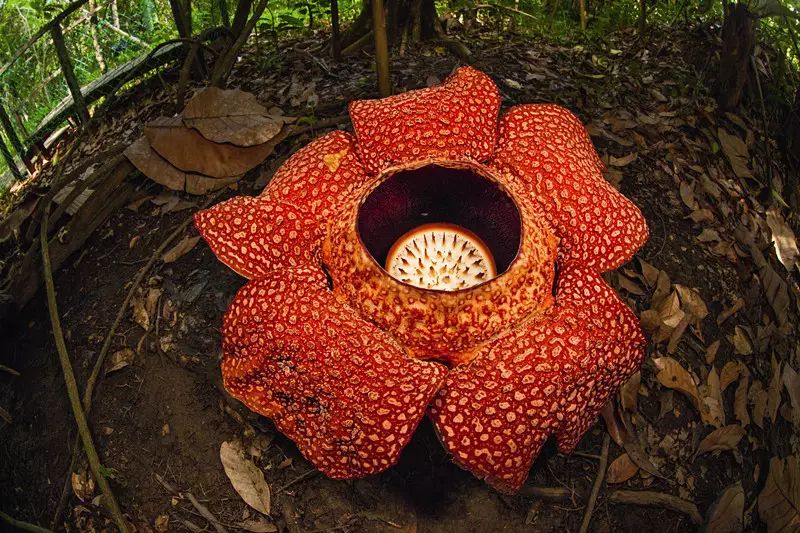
(302, 477)
(199, 507)
(598, 482)
(72, 386)
(657, 499)
(203, 510)
(22, 526)
(547, 493)
(10, 370)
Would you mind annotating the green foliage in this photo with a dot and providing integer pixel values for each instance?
(34, 85)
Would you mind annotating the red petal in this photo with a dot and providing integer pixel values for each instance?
(254, 236)
(550, 376)
(456, 120)
(320, 177)
(547, 147)
(342, 389)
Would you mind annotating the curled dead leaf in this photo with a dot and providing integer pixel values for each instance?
(120, 359)
(247, 479)
(179, 250)
(621, 469)
(724, 438)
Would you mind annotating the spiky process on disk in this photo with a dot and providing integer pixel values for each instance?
(412, 267)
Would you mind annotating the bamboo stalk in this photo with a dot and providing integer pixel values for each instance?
(13, 138)
(69, 73)
(381, 48)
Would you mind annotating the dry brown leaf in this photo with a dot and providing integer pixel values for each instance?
(189, 151)
(741, 343)
(730, 373)
(784, 239)
(621, 469)
(779, 501)
(686, 191)
(740, 401)
(629, 285)
(701, 215)
(757, 396)
(709, 235)
(247, 479)
(711, 351)
(82, 485)
(180, 249)
(649, 273)
(727, 513)
(120, 359)
(714, 412)
(774, 285)
(692, 303)
(724, 438)
(774, 391)
(622, 161)
(791, 380)
(257, 525)
(158, 169)
(231, 116)
(736, 151)
(673, 376)
(737, 306)
(629, 393)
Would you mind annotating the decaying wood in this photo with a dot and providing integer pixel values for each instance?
(110, 195)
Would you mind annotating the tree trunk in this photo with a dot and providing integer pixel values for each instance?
(114, 13)
(336, 41)
(642, 16)
(415, 18)
(583, 14)
(738, 42)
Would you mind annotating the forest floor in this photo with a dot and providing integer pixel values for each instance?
(717, 399)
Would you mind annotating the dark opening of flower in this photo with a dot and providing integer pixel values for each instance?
(410, 268)
(440, 227)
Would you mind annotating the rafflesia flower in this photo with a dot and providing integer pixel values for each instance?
(437, 261)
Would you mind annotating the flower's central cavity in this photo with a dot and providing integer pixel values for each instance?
(440, 227)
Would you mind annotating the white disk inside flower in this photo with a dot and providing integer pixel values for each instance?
(440, 256)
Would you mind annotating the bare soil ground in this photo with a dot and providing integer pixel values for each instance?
(165, 414)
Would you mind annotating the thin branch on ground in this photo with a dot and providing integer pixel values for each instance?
(302, 477)
(72, 386)
(657, 499)
(203, 510)
(22, 526)
(598, 482)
